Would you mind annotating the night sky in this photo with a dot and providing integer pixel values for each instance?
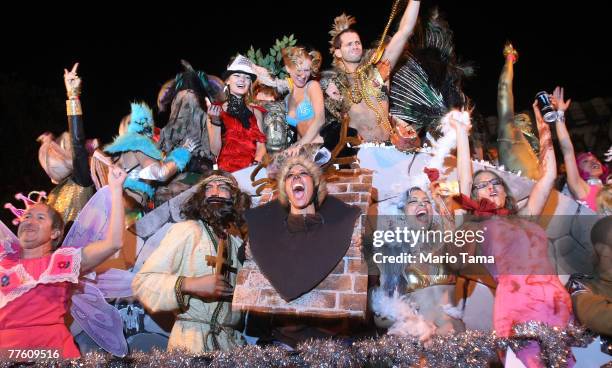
(127, 53)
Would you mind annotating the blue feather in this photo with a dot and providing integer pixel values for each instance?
(139, 186)
(180, 156)
(141, 120)
(134, 142)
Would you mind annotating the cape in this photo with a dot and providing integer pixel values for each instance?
(293, 261)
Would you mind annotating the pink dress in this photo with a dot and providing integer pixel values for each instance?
(528, 288)
(34, 298)
(591, 198)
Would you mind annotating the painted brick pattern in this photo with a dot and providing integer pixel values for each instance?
(344, 292)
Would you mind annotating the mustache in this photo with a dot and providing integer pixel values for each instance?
(219, 200)
(26, 227)
(220, 210)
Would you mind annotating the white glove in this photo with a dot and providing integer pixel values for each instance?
(159, 172)
(191, 144)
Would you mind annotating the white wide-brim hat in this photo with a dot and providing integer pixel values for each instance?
(243, 65)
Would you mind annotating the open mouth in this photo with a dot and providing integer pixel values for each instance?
(421, 214)
(216, 200)
(298, 191)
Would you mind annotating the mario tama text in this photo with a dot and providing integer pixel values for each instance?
(424, 246)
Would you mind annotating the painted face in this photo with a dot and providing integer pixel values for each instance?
(36, 228)
(591, 165)
(489, 186)
(418, 207)
(218, 189)
(350, 49)
(239, 84)
(299, 187)
(300, 72)
(333, 92)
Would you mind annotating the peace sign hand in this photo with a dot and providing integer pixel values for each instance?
(72, 82)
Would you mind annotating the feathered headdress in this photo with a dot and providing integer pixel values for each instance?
(341, 24)
(202, 84)
(428, 84)
(141, 119)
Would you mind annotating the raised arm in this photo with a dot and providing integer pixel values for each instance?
(97, 252)
(464, 163)
(394, 49)
(548, 167)
(80, 157)
(315, 94)
(577, 185)
(515, 153)
(505, 97)
(264, 77)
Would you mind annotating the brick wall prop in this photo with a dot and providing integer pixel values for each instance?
(344, 292)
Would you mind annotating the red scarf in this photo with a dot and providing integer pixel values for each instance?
(432, 174)
(484, 207)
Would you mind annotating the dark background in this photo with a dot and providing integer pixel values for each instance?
(127, 52)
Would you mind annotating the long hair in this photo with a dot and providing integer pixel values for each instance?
(247, 97)
(510, 203)
(585, 174)
(292, 56)
(196, 207)
(320, 186)
(604, 200)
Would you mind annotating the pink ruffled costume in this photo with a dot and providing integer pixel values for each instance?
(528, 288)
(34, 298)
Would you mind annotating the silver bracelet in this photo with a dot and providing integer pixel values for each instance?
(561, 116)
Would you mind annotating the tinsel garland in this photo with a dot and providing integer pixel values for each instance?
(467, 349)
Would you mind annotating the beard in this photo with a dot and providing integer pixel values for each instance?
(220, 212)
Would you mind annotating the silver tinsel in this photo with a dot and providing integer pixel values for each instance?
(555, 343)
(466, 349)
(325, 354)
(388, 351)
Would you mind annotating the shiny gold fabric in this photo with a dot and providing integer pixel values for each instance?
(68, 198)
(419, 278)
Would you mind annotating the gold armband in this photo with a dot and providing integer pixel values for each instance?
(73, 107)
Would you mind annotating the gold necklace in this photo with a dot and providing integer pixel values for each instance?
(361, 88)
